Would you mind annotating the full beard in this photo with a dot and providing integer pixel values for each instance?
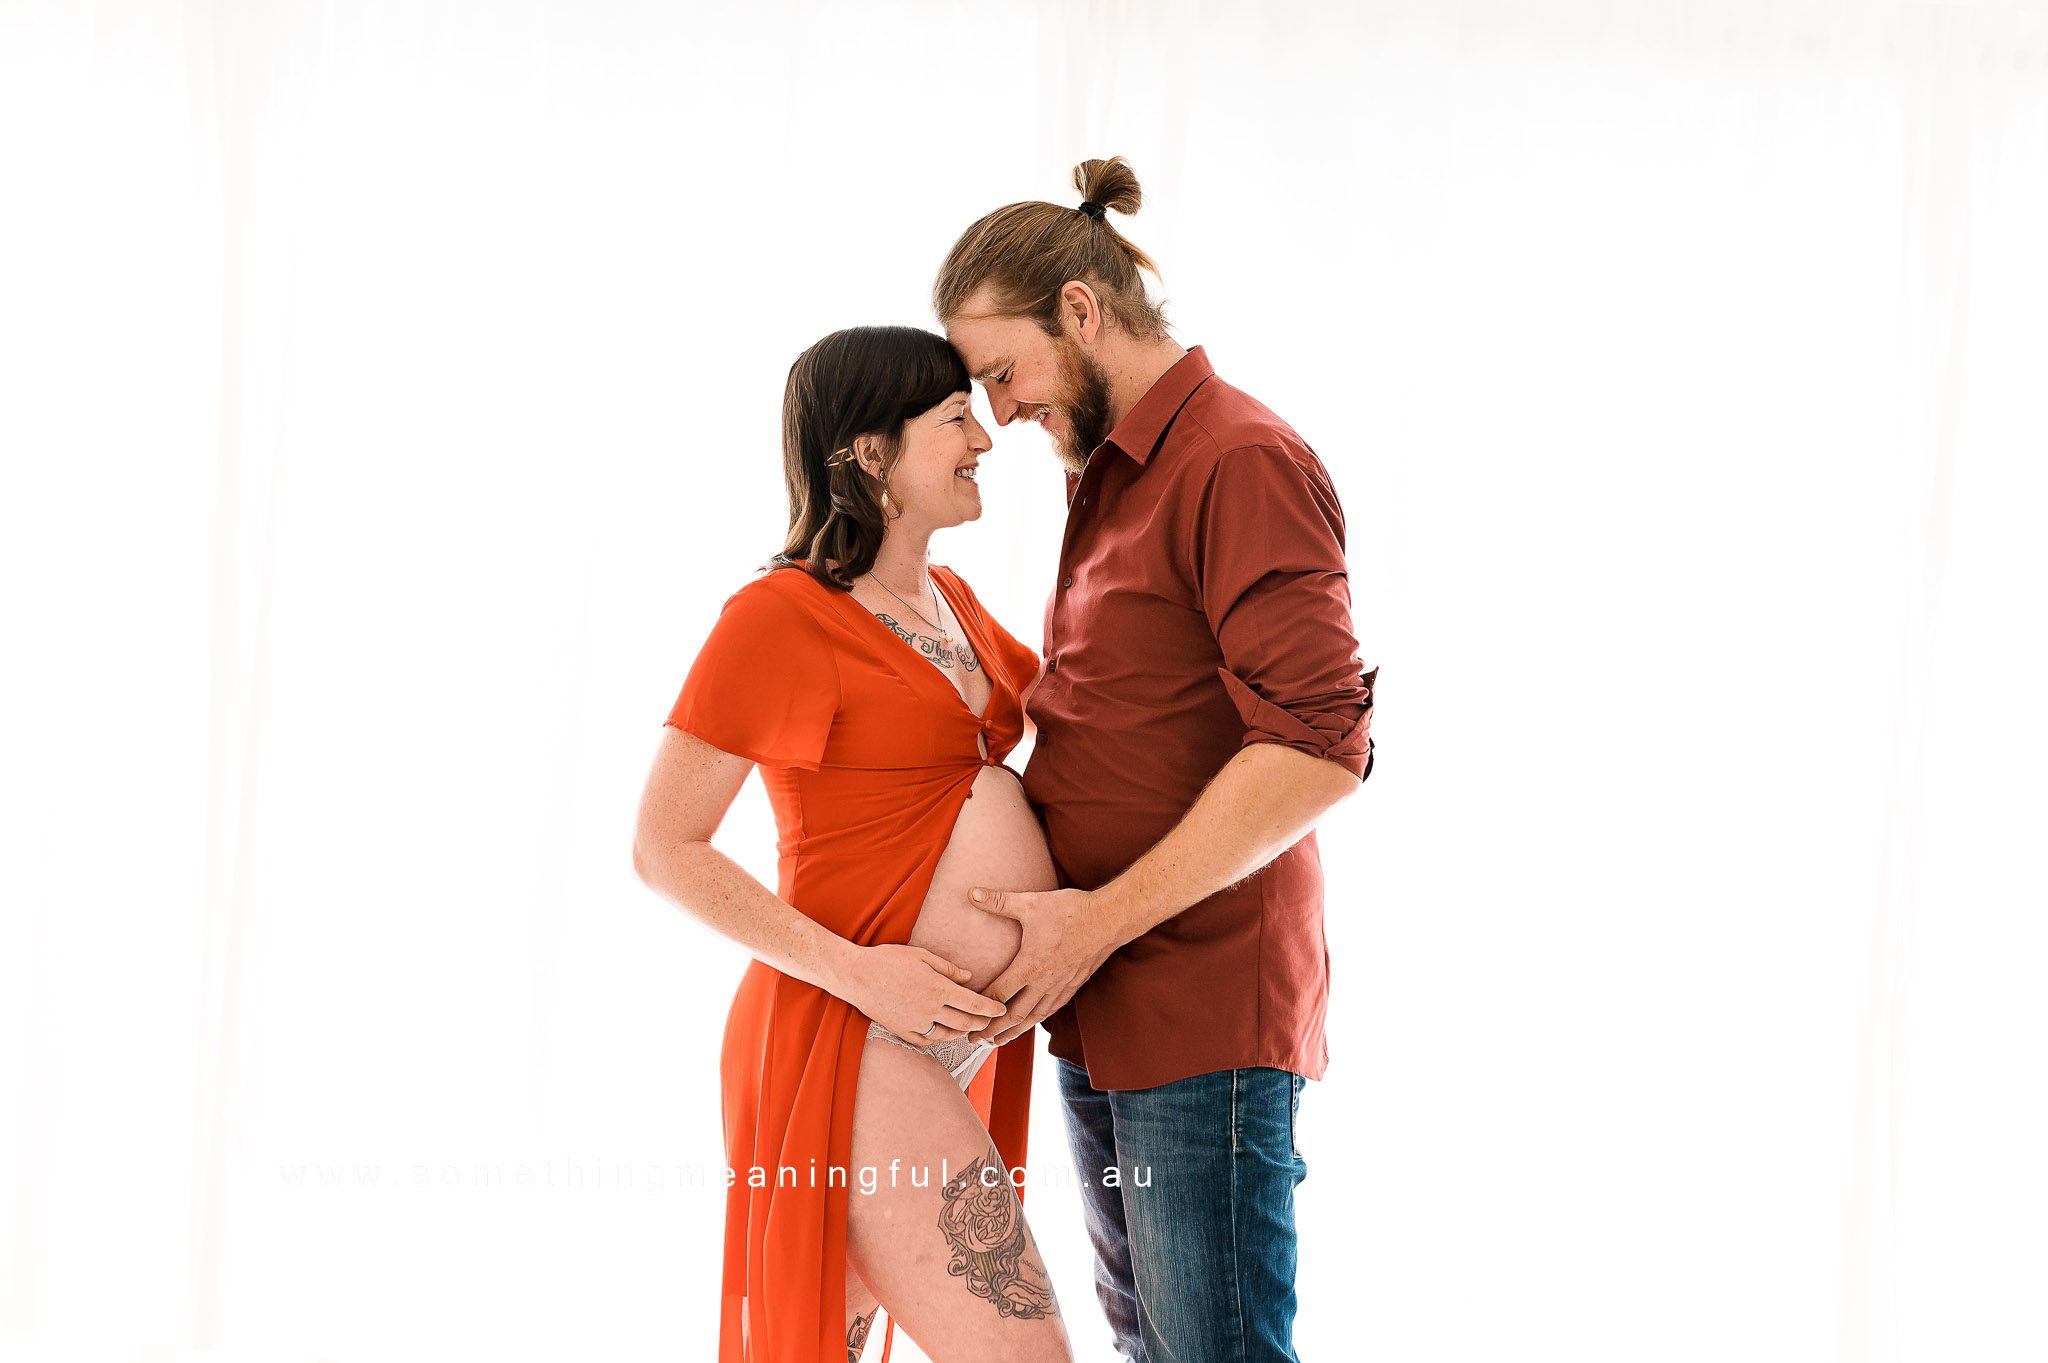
(1083, 405)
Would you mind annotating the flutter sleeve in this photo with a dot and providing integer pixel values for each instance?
(765, 685)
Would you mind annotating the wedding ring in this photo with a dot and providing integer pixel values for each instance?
(928, 1031)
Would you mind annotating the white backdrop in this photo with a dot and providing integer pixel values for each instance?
(388, 398)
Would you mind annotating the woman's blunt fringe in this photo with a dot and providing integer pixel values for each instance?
(1028, 252)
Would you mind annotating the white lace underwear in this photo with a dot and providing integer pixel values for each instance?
(959, 1057)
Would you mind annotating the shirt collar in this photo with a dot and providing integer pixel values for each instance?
(1142, 428)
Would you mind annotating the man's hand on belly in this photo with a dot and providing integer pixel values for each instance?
(1064, 942)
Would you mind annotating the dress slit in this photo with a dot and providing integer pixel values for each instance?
(999, 1093)
(867, 796)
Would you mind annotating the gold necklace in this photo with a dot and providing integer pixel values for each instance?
(945, 636)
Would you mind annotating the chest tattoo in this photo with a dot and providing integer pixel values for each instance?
(933, 648)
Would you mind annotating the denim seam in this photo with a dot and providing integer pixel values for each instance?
(1236, 1255)
(1103, 1276)
(1233, 1113)
(1259, 984)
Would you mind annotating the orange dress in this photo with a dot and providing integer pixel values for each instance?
(868, 754)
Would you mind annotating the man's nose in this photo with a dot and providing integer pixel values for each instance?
(1002, 408)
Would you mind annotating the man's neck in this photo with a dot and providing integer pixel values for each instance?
(1133, 369)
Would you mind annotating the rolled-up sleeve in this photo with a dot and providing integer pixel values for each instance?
(1271, 576)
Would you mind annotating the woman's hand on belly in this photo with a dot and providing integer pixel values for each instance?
(917, 994)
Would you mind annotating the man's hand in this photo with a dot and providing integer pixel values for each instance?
(1067, 935)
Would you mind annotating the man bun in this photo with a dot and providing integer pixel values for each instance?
(1111, 183)
(1025, 253)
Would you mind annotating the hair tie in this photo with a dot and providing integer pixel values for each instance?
(1092, 209)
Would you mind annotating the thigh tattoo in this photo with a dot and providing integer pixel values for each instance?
(984, 1226)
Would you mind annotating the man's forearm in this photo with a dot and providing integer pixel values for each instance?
(1263, 801)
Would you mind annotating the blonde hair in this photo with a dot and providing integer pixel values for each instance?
(1029, 251)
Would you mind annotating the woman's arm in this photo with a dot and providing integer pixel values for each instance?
(692, 785)
(688, 792)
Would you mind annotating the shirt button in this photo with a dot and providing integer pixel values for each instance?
(1067, 581)
(1084, 501)
(1052, 664)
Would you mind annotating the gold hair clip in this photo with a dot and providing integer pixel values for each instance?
(835, 459)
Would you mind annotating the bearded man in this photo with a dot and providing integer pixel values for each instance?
(1201, 704)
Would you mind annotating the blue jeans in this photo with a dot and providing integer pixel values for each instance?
(1197, 1267)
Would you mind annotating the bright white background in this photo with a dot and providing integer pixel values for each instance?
(388, 398)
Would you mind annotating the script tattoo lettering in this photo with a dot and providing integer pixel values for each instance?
(984, 1225)
(933, 648)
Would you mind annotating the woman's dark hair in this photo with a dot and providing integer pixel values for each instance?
(860, 381)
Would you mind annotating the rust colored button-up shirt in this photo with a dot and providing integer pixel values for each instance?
(1202, 604)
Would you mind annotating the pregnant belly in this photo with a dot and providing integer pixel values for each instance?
(996, 843)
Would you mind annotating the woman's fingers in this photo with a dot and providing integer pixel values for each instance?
(916, 1038)
(946, 967)
(967, 1001)
(950, 1025)
(961, 996)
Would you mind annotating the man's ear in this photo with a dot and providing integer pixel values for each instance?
(1080, 309)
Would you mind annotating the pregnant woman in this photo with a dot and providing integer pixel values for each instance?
(871, 1137)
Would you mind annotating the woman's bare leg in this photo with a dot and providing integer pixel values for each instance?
(861, 1308)
(944, 1245)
